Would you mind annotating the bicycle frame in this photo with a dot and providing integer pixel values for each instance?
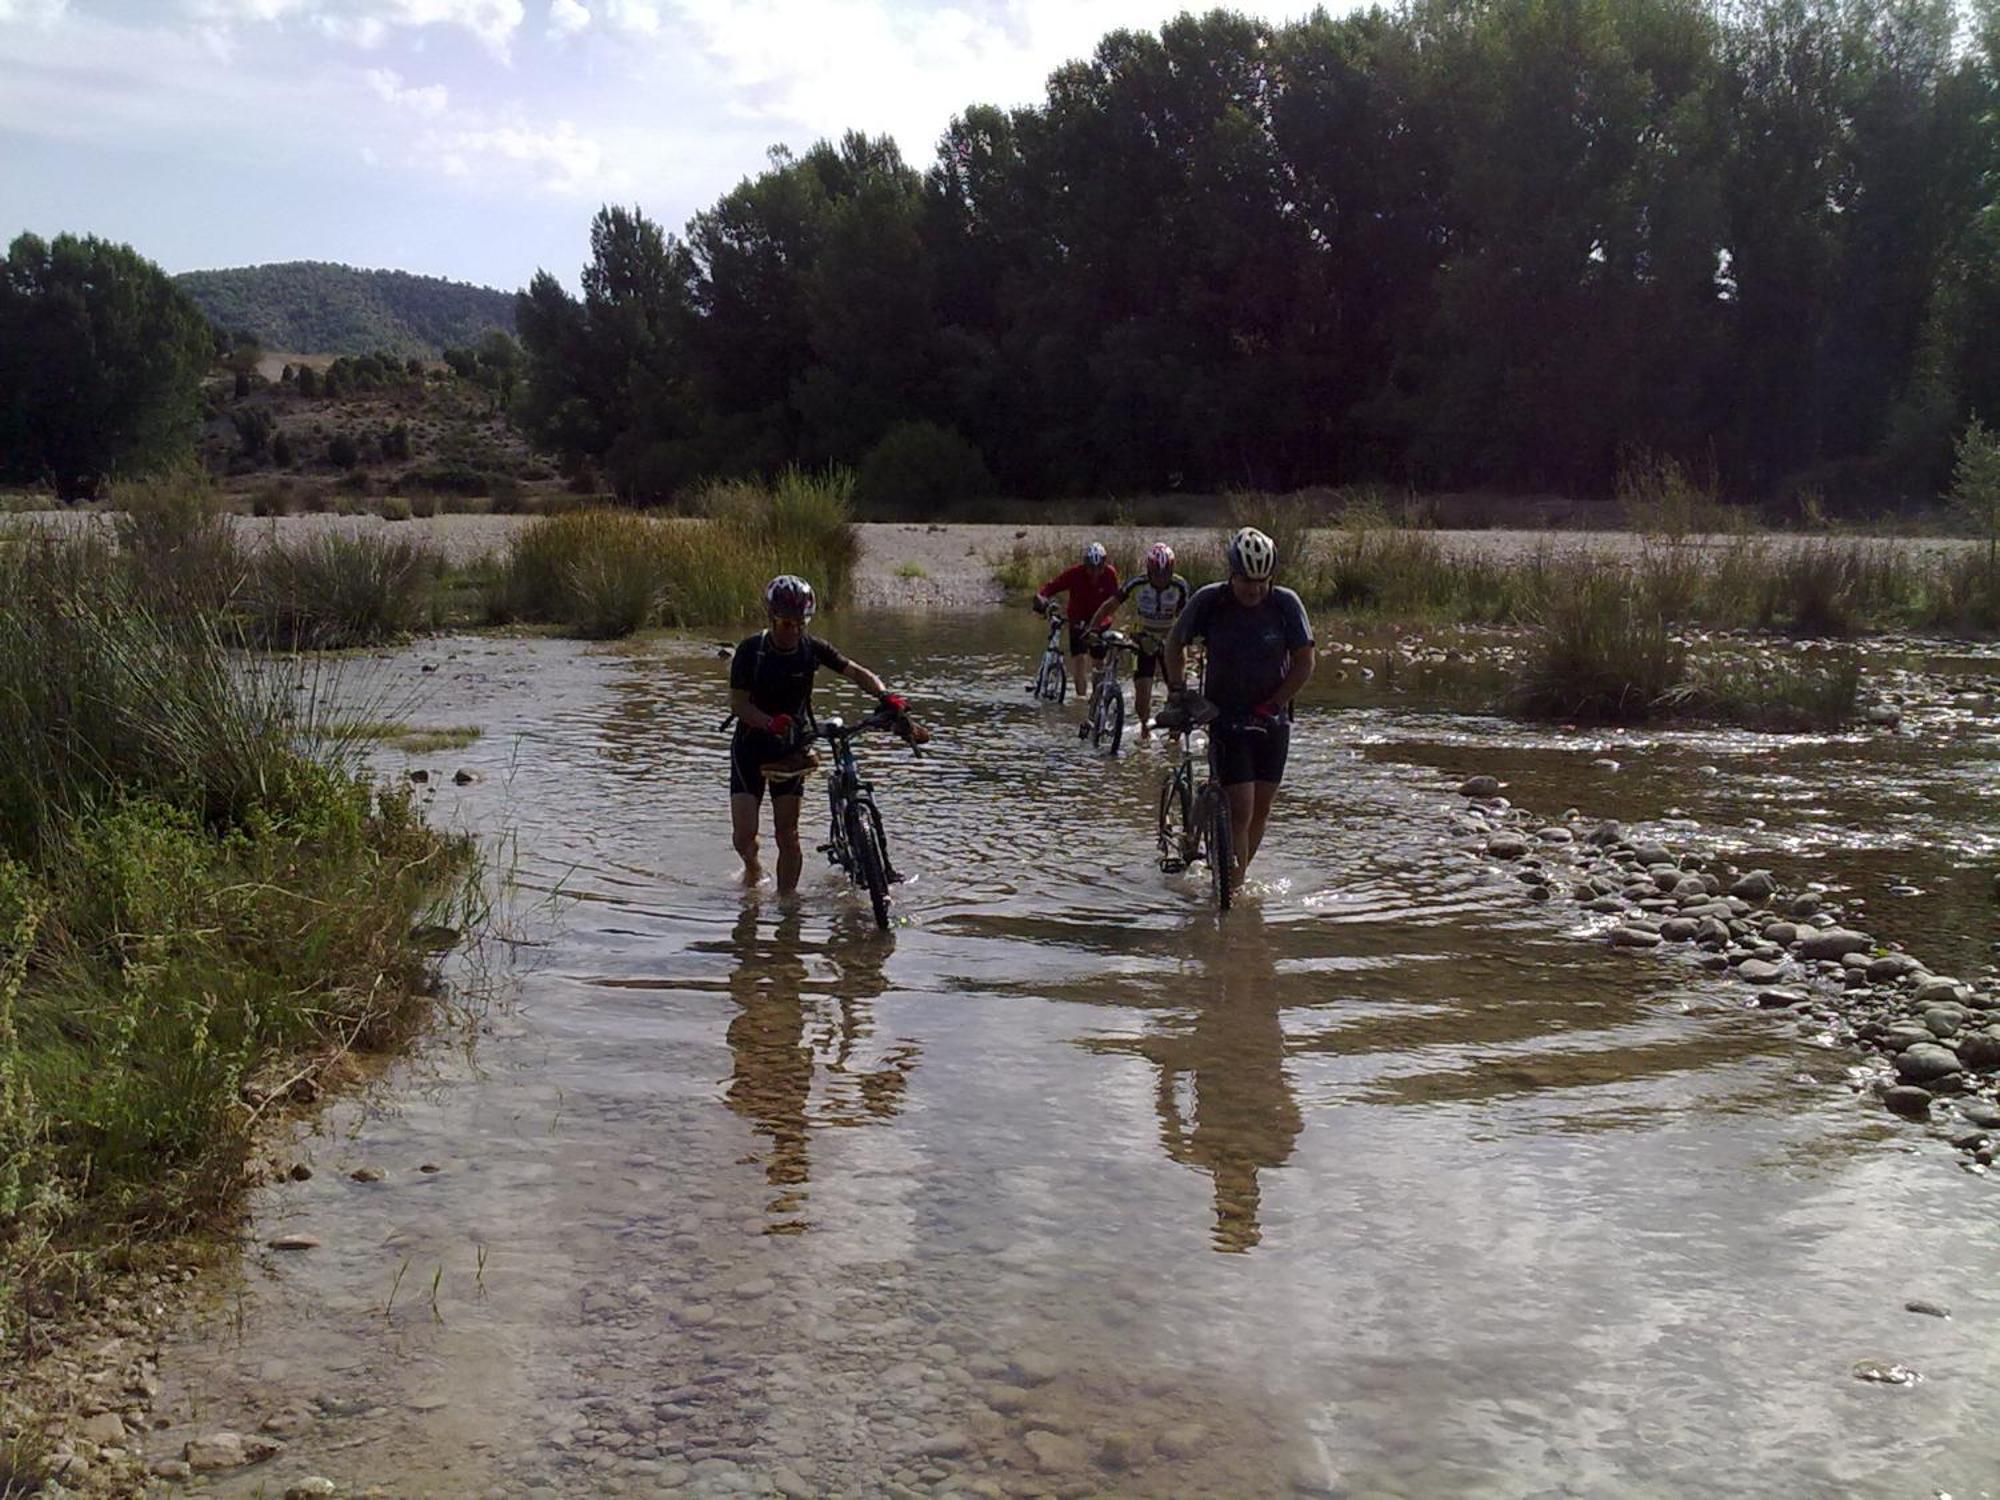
(1052, 672)
(1100, 720)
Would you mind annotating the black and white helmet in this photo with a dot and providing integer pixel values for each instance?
(1252, 554)
(789, 597)
(1093, 554)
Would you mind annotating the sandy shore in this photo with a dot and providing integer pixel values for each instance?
(922, 566)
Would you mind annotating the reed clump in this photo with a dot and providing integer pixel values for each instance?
(202, 898)
(334, 591)
(605, 573)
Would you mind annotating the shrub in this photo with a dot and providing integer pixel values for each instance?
(423, 506)
(1597, 656)
(198, 894)
(1975, 486)
(918, 468)
(178, 546)
(395, 442)
(334, 591)
(395, 509)
(606, 572)
(281, 450)
(273, 499)
(343, 452)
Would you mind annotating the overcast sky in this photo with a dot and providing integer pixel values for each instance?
(474, 138)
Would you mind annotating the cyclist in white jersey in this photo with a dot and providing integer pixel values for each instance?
(1157, 596)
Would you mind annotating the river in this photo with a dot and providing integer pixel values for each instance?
(1391, 1182)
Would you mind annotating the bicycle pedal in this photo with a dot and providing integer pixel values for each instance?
(1173, 866)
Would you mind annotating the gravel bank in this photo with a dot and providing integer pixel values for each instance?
(928, 566)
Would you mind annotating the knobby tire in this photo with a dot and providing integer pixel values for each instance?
(871, 869)
(1117, 717)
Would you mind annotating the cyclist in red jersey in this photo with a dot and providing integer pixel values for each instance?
(1088, 584)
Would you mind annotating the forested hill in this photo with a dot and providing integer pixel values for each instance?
(313, 307)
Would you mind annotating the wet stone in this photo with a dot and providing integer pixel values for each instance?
(1981, 1114)
(1782, 933)
(1891, 966)
(1756, 971)
(1926, 1062)
(1907, 1099)
(1506, 846)
(1781, 999)
(1943, 1022)
(1479, 786)
(1634, 937)
(1055, 1453)
(1927, 1309)
(1834, 943)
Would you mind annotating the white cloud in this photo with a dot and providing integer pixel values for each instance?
(567, 17)
(638, 17)
(831, 65)
(563, 160)
(429, 101)
(368, 23)
(32, 12)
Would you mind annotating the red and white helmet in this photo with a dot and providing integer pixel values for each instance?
(1159, 562)
(789, 597)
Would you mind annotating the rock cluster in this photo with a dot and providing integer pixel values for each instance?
(1936, 1038)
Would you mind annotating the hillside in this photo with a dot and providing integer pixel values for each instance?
(317, 308)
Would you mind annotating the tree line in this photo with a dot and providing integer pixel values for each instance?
(1457, 244)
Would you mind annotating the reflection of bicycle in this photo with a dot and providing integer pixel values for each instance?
(1051, 682)
(855, 840)
(1194, 818)
(1106, 719)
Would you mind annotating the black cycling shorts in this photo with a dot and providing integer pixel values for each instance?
(1241, 754)
(746, 770)
(1143, 671)
(1078, 644)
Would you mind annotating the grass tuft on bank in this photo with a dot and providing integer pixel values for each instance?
(202, 900)
(605, 573)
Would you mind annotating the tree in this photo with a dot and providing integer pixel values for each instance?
(1975, 487)
(101, 359)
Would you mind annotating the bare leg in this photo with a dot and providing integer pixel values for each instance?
(1142, 699)
(1079, 676)
(1266, 793)
(743, 833)
(785, 822)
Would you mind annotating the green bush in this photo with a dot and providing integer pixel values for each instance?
(343, 452)
(919, 469)
(333, 591)
(608, 572)
(1598, 657)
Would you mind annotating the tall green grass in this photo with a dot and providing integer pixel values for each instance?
(333, 591)
(200, 899)
(606, 573)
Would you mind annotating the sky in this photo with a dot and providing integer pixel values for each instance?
(475, 138)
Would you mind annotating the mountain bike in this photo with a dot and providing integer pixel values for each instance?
(855, 840)
(1194, 817)
(1051, 682)
(1106, 719)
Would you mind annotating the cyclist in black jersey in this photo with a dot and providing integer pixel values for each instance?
(770, 691)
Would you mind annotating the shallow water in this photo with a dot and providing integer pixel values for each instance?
(1389, 1183)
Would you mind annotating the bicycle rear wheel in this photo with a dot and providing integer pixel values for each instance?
(871, 870)
(1221, 849)
(1116, 709)
(1058, 678)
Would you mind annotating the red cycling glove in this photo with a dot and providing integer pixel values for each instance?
(896, 703)
(780, 725)
(1267, 710)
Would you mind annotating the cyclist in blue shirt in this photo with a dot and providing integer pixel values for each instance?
(1260, 653)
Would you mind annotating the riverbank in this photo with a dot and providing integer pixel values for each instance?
(208, 907)
(932, 566)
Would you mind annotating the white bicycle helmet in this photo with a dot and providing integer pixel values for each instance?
(1093, 555)
(790, 597)
(1252, 554)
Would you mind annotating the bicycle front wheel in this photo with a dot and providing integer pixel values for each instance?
(1176, 824)
(1221, 849)
(871, 869)
(1116, 710)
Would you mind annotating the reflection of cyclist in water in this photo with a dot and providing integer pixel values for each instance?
(784, 1032)
(1224, 1102)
